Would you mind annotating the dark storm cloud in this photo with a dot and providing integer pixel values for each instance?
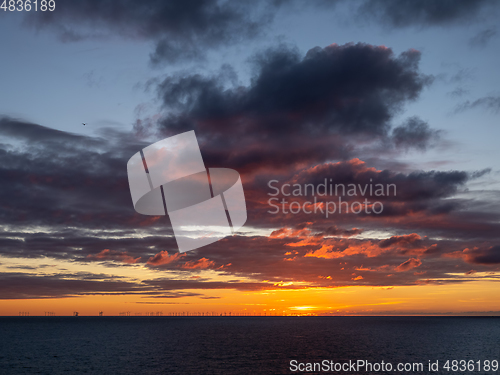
(404, 13)
(296, 108)
(181, 29)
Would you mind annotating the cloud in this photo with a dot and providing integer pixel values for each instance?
(482, 38)
(66, 197)
(182, 30)
(29, 132)
(186, 31)
(330, 262)
(353, 88)
(32, 286)
(163, 258)
(405, 13)
(414, 187)
(459, 92)
(169, 295)
(300, 120)
(406, 240)
(408, 265)
(22, 286)
(491, 103)
(200, 264)
(113, 255)
(297, 108)
(414, 133)
(173, 284)
(487, 256)
(336, 231)
(59, 170)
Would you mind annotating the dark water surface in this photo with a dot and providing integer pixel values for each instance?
(238, 345)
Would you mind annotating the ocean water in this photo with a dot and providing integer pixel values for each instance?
(241, 345)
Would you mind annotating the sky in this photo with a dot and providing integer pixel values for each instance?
(363, 93)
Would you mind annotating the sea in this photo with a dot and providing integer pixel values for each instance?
(249, 345)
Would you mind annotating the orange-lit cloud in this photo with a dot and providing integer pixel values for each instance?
(408, 265)
(200, 264)
(163, 258)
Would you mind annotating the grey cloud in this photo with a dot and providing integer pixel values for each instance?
(414, 133)
(405, 13)
(491, 103)
(482, 38)
(488, 256)
(181, 29)
(22, 285)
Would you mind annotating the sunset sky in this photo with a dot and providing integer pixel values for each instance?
(403, 93)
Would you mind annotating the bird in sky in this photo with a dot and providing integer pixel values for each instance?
(84, 123)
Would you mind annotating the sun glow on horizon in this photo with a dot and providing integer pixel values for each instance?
(452, 299)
